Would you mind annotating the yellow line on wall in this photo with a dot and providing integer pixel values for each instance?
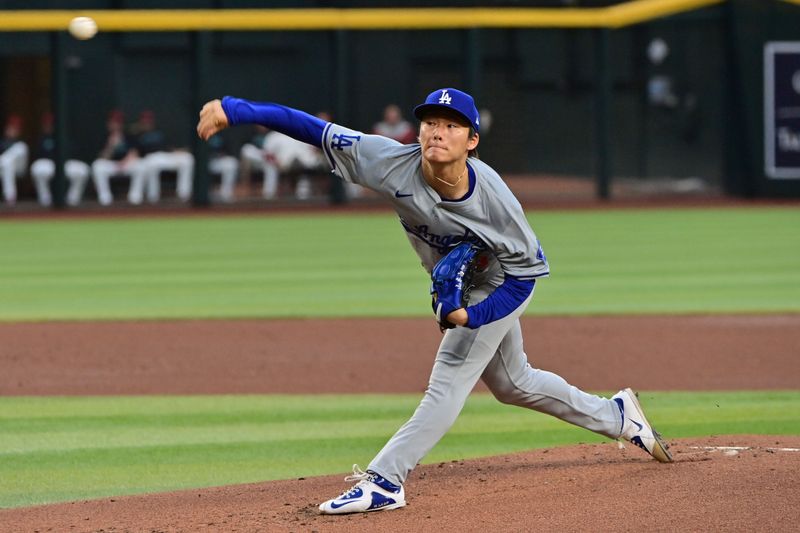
(353, 19)
(643, 10)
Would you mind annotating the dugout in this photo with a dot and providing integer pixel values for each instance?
(545, 86)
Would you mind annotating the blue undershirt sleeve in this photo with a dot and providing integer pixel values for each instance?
(500, 303)
(292, 122)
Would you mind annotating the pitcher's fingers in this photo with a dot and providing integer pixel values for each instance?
(203, 129)
(206, 122)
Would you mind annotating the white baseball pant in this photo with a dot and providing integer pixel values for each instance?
(495, 354)
(13, 162)
(77, 172)
(103, 170)
(227, 167)
(155, 163)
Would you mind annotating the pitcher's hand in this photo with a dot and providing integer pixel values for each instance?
(212, 119)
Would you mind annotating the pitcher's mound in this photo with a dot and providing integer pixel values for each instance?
(730, 483)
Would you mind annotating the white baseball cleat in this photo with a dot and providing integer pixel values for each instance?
(371, 493)
(637, 430)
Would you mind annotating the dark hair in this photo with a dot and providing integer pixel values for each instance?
(474, 151)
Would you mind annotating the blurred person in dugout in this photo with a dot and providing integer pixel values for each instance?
(285, 156)
(43, 168)
(395, 126)
(152, 147)
(13, 157)
(118, 158)
(251, 156)
(221, 162)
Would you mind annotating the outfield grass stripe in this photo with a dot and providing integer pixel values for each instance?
(735, 260)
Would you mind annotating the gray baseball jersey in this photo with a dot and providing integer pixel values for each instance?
(490, 214)
(492, 352)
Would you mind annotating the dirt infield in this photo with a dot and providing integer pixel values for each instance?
(583, 487)
(269, 356)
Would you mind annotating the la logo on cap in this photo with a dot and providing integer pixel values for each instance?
(445, 98)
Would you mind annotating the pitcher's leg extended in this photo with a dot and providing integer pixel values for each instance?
(462, 358)
(457, 368)
(512, 380)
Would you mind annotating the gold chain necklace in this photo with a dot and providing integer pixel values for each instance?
(452, 184)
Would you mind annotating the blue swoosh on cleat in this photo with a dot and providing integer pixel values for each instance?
(335, 506)
(398, 194)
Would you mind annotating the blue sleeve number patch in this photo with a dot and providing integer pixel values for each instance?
(340, 141)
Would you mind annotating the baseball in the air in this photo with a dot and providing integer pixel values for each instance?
(82, 28)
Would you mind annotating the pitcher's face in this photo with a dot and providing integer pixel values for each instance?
(444, 137)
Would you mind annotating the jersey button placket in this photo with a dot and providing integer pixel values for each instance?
(437, 211)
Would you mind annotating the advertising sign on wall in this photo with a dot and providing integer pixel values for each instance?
(782, 110)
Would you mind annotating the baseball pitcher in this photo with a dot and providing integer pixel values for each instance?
(472, 236)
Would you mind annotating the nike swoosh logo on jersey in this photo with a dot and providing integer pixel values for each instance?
(398, 194)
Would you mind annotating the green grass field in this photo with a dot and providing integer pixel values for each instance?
(631, 261)
(732, 260)
(56, 449)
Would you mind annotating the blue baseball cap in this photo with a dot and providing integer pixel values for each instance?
(452, 99)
